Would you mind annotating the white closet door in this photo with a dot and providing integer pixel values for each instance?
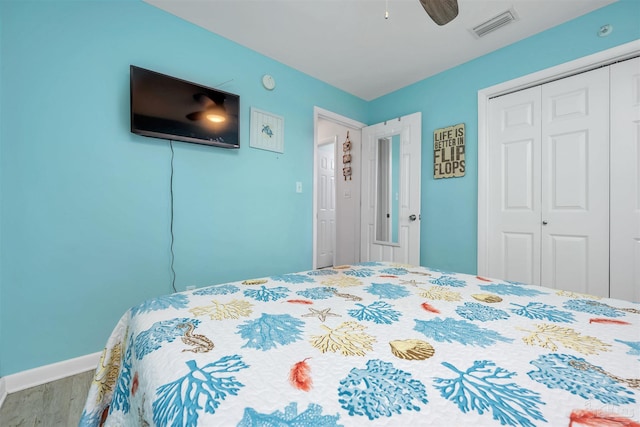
(625, 180)
(514, 187)
(549, 184)
(575, 183)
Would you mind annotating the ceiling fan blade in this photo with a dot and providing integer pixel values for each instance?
(209, 100)
(196, 116)
(214, 105)
(203, 99)
(441, 11)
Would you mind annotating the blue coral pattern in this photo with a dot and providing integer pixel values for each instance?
(485, 387)
(538, 310)
(593, 307)
(388, 290)
(311, 417)
(362, 272)
(511, 289)
(448, 280)
(224, 289)
(380, 390)
(461, 331)
(317, 293)
(378, 312)
(169, 301)
(634, 347)
(370, 344)
(481, 312)
(578, 376)
(151, 339)
(267, 294)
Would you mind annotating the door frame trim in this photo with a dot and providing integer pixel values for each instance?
(586, 63)
(321, 113)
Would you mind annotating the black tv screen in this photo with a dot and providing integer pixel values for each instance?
(166, 107)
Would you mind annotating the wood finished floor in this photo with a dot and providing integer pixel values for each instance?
(58, 403)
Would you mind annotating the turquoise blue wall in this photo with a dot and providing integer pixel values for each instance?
(84, 204)
(449, 206)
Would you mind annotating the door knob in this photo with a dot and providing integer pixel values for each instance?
(412, 217)
(544, 223)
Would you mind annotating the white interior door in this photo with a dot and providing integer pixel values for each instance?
(625, 180)
(326, 222)
(402, 243)
(575, 183)
(549, 184)
(514, 187)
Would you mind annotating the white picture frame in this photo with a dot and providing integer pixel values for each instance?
(267, 131)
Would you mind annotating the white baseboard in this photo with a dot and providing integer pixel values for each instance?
(44, 374)
(3, 391)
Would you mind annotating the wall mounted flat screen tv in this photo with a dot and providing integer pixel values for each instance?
(166, 107)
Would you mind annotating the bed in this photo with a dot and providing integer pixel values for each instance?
(371, 344)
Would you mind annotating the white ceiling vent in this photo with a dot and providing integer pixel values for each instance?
(495, 23)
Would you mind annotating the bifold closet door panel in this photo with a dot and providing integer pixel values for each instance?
(514, 187)
(575, 183)
(625, 180)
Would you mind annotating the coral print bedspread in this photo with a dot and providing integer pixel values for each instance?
(371, 344)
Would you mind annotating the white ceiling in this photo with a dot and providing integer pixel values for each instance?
(350, 45)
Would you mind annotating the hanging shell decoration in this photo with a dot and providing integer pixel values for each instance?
(346, 158)
(412, 349)
(490, 298)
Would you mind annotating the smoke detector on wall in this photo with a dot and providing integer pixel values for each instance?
(494, 23)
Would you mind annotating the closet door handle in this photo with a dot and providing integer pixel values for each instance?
(544, 223)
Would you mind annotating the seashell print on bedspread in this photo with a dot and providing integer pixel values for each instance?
(371, 344)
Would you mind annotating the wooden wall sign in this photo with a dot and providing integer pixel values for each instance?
(448, 152)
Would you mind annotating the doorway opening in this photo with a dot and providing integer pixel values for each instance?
(337, 242)
(326, 200)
